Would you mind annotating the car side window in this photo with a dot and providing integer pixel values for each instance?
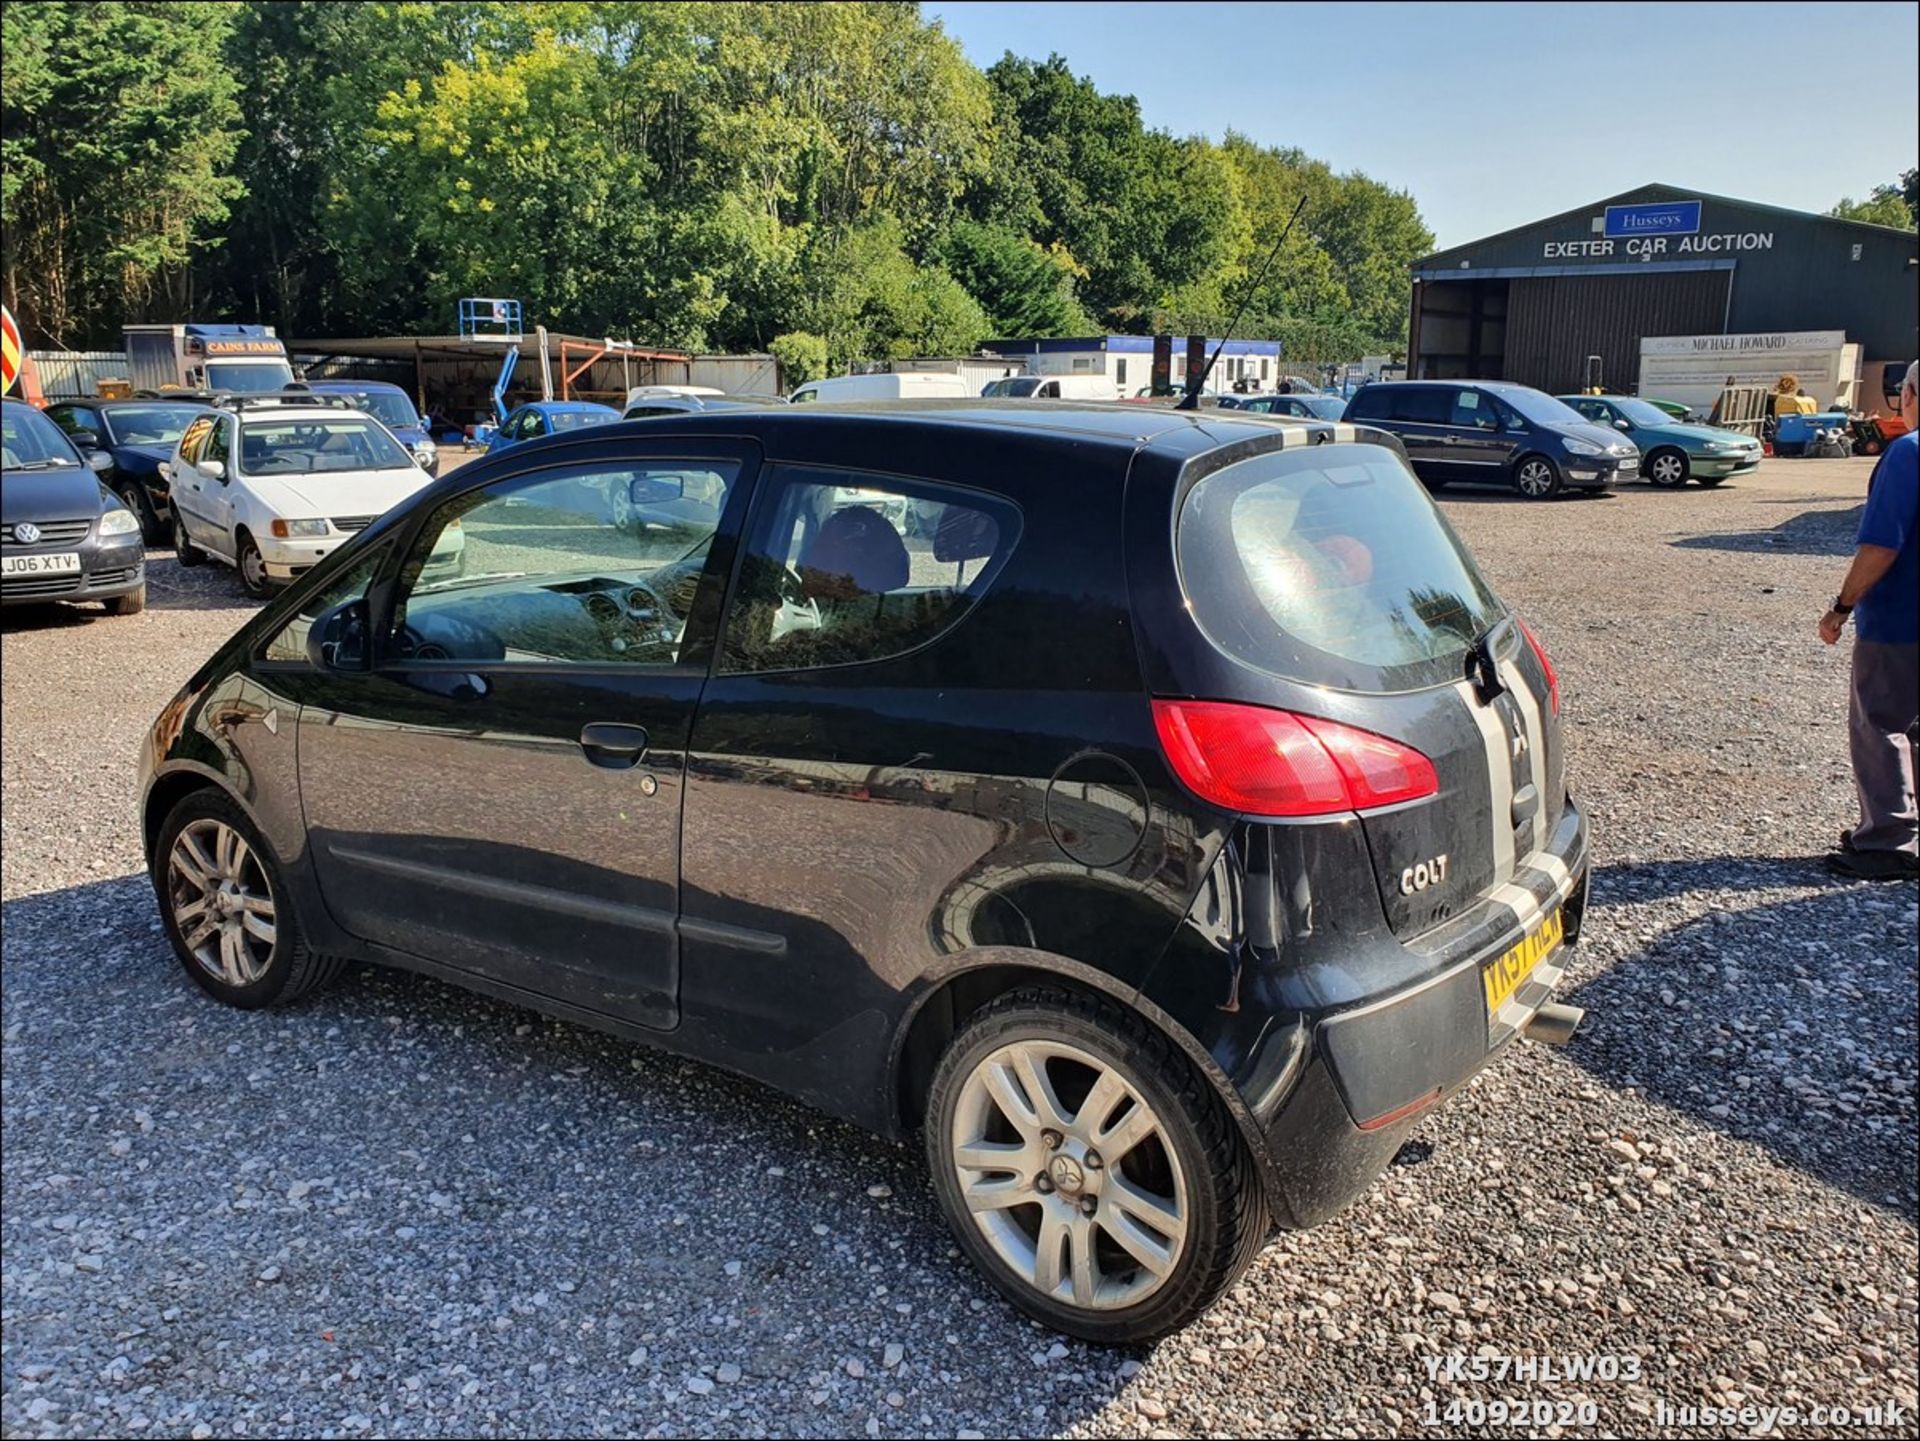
(596, 566)
(1374, 403)
(289, 643)
(219, 440)
(1425, 405)
(846, 567)
(71, 418)
(1472, 411)
(194, 437)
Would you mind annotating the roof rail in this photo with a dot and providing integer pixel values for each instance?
(280, 399)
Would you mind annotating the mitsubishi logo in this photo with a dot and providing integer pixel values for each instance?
(1067, 1174)
(26, 532)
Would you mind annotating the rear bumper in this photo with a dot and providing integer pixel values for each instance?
(1374, 1071)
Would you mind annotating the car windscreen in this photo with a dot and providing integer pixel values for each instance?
(395, 411)
(1327, 407)
(1641, 413)
(253, 379)
(1330, 565)
(148, 424)
(313, 447)
(29, 441)
(1542, 409)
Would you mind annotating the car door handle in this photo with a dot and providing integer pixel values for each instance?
(613, 746)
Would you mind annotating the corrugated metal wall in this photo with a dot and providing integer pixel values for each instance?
(77, 372)
(1555, 322)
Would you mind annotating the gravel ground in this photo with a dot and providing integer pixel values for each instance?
(403, 1209)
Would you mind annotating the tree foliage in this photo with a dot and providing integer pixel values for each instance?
(1897, 204)
(835, 179)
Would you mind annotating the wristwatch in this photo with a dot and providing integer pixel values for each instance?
(1841, 609)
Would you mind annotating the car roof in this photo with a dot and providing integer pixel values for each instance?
(1099, 423)
(350, 387)
(567, 405)
(1477, 384)
(297, 412)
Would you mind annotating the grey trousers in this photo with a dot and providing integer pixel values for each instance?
(1882, 721)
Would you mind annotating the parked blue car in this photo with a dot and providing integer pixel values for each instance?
(393, 408)
(549, 417)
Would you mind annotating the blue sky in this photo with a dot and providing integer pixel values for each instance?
(1494, 115)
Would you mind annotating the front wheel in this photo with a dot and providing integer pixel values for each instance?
(252, 567)
(1088, 1169)
(1537, 478)
(227, 909)
(141, 504)
(132, 603)
(1667, 468)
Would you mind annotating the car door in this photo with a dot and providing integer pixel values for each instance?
(1423, 419)
(500, 790)
(189, 488)
(1477, 446)
(218, 496)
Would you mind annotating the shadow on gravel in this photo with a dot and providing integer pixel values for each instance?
(1789, 1025)
(1812, 532)
(1619, 884)
(436, 1174)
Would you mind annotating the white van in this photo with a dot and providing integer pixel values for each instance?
(906, 385)
(1054, 387)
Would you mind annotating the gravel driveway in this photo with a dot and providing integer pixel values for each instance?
(402, 1209)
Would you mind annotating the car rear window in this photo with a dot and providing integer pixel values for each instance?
(1330, 565)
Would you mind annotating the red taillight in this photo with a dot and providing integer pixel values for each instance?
(1540, 654)
(1275, 763)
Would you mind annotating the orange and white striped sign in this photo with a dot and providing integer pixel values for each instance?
(10, 351)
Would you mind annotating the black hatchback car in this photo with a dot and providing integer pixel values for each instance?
(1162, 824)
(63, 535)
(134, 438)
(1492, 431)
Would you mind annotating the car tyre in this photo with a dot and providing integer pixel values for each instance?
(184, 550)
(1140, 1247)
(132, 603)
(1667, 468)
(1537, 478)
(247, 949)
(136, 499)
(251, 566)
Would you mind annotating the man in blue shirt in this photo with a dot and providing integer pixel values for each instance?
(1882, 594)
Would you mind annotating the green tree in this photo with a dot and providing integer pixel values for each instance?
(120, 125)
(1025, 291)
(1897, 204)
(802, 356)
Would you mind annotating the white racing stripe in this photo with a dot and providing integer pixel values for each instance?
(1493, 737)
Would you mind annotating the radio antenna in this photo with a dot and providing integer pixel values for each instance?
(1195, 384)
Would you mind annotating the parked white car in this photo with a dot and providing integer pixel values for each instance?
(271, 486)
(1053, 387)
(903, 385)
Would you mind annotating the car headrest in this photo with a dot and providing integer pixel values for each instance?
(854, 553)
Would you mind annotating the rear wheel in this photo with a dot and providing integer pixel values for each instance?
(1537, 478)
(1667, 468)
(1088, 1169)
(184, 550)
(252, 567)
(132, 603)
(227, 910)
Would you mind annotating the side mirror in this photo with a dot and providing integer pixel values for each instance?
(337, 640)
(85, 439)
(1623, 425)
(212, 469)
(654, 490)
(100, 461)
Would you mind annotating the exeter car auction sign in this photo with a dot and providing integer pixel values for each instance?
(9, 350)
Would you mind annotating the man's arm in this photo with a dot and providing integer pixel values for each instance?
(1870, 562)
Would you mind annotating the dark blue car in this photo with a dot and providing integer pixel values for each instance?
(125, 442)
(393, 408)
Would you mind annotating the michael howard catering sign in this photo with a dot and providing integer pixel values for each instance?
(1671, 217)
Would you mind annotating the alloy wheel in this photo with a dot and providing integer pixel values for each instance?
(1069, 1176)
(1535, 478)
(222, 905)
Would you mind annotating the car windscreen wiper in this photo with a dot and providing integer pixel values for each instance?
(40, 465)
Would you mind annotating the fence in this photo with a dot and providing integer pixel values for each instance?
(73, 373)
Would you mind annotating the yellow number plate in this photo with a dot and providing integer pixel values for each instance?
(1502, 977)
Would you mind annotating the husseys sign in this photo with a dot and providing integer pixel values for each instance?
(1647, 232)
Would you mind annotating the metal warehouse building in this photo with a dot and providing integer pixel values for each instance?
(1532, 304)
